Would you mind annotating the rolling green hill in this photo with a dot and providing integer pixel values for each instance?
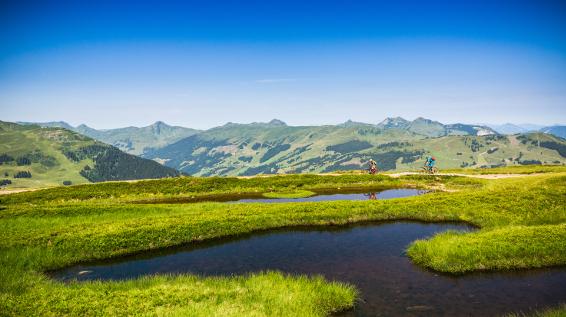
(132, 140)
(396, 144)
(32, 156)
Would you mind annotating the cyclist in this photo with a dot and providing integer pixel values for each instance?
(429, 163)
(372, 166)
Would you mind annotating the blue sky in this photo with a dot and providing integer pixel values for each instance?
(204, 63)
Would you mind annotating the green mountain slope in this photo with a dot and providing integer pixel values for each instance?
(396, 144)
(508, 128)
(52, 156)
(132, 140)
(430, 128)
(557, 130)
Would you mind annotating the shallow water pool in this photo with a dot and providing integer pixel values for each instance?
(370, 256)
(320, 195)
(365, 195)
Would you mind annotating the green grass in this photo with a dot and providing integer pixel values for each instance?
(522, 221)
(19, 141)
(55, 156)
(501, 248)
(290, 194)
(262, 294)
(551, 312)
(525, 169)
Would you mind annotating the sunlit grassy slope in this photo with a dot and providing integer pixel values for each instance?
(529, 169)
(18, 141)
(251, 149)
(522, 225)
(55, 156)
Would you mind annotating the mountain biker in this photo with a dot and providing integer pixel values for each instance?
(430, 162)
(372, 166)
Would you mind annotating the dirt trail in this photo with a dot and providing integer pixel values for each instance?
(483, 176)
(19, 190)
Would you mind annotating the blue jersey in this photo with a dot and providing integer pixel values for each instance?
(430, 162)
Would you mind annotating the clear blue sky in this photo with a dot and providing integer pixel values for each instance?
(203, 63)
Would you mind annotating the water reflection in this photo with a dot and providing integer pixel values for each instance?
(363, 195)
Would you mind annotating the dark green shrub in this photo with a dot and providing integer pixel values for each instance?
(5, 158)
(22, 174)
(20, 161)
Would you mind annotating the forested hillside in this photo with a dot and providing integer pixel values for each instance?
(396, 144)
(32, 156)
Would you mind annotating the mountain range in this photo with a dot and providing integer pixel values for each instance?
(558, 130)
(510, 128)
(275, 147)
(132, 140)
(395, 143)
(34, 156)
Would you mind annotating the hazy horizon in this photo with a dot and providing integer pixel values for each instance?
(287, 123)
(201, 65)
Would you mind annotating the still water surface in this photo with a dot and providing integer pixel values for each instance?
(364, 195)
(370, 256)
(321, 195)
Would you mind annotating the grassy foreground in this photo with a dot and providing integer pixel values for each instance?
(522, 221)
(551, 312)
(521, 169)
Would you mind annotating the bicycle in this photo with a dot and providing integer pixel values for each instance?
(372, 170)
(429, 170)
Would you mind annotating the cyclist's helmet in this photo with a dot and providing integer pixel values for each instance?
(433, 158)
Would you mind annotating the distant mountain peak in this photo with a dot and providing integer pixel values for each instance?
(395, 119)
(157, 126)
(272, 123)
(507, 128)
(393, 122)
(160, 123)
(425, 120)
(351, 123)
(277, 122)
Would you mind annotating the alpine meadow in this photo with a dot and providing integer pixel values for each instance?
(283, 158)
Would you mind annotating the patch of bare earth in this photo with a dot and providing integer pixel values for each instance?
(483, 176)
(13, 191)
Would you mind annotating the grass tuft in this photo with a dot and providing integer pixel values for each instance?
(290, 194)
